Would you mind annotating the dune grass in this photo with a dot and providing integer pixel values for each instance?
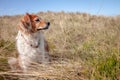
(82, 47)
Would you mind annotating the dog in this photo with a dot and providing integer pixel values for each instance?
(31, 44)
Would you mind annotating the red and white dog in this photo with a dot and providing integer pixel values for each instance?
(31, 44)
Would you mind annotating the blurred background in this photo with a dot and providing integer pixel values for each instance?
(97, 7)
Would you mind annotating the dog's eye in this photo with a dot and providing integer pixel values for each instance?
(37, 20)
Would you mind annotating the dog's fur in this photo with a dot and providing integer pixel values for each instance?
(31, 43)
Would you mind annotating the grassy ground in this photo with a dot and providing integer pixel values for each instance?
(82, 47)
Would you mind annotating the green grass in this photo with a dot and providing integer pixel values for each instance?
(107, 69)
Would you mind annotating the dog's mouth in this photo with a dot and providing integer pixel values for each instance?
(44, 28)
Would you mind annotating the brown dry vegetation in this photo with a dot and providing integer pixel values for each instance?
(82, 47)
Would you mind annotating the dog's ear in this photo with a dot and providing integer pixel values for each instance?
(26, 19)
(25, 23)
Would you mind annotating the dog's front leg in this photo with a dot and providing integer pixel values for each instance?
(24, 63)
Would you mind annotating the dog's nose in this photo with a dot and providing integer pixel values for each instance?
(48, 23)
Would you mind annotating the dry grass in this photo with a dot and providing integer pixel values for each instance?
(82, 47)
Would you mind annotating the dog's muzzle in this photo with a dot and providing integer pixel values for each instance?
(47, 26)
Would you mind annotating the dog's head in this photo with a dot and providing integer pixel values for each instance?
(31, 23)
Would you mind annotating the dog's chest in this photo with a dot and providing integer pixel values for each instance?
(24, 45)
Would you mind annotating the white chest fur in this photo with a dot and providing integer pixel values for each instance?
(29, 54)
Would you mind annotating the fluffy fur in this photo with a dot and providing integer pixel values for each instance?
(31, 44)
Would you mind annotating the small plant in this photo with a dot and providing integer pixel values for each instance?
(6, 47)
(107, 69)
(2, 43)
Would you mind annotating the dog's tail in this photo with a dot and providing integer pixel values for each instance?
(14, 63)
